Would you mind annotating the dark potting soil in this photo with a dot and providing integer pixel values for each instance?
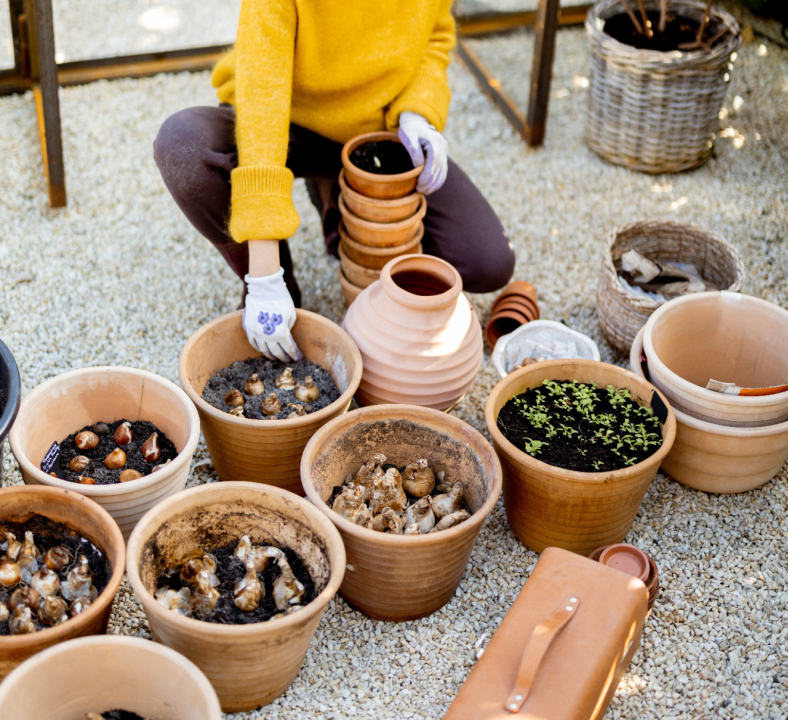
(121, 715)
(392, 158)
(678, 31)
(230, 570)
(134, 461)
(580, 426)
(234, 377)
(48, 534)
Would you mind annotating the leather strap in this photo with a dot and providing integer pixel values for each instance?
(538, 644)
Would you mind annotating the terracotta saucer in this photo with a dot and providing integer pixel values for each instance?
(594, 554)
(628, 559)
(502, 323)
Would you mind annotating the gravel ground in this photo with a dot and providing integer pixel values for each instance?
(119, 277)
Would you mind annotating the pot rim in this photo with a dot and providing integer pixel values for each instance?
(345, 260)
(353, 143)
(750, 402)
(444, 270)
(597, 478)
(381, 227)
(397, 411)
(220, 415)
(183, 458)
(96, 608)
(703, 425)
(13, 391)
(158, 514)
(376, 202)
(380, 251)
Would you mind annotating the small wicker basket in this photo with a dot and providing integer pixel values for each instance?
(622, 314)
(652, 111)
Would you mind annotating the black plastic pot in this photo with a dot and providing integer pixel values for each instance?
(12, 386)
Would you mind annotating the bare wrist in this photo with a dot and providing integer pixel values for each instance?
(263, 257)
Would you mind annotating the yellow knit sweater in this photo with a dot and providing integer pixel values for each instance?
(337, 67)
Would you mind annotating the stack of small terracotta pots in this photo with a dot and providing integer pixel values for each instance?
(381, 218)
(633, 561)
(515, 306)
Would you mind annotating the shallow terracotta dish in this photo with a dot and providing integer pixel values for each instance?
(110, 672)
(349, 291)
(248, 665)
(627, 559)
(377, 257)
(358, 274)
(379, 211)
(398, 577)
(92, 522)
(385, 187)
(381, 234)
(68, 402)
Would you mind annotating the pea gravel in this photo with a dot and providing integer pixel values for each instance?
(716, 643)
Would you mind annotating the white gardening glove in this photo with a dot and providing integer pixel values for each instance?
(418, 136)
(268, 317)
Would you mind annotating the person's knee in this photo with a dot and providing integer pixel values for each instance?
(178, 145)
(493, 267)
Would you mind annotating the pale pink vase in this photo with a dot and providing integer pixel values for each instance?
(420, 340)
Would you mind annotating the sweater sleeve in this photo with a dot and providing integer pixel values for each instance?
(262, 185)
(223, 77)
(428, 91)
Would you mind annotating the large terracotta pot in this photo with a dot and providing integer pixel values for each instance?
(399, 577)
(717, 458)
(381, 234)
(266, 451)
(86, 517)
(68, 402)
(112, 672)
(379, 211)
(578, 511)
(418, 347)
(248, 665)
(376, 257)
(722, 336)
(11, 388)
(384, 187)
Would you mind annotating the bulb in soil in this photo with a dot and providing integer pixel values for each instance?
(298, 410)
(150, 448)
(28, 565)
(249, 591)
(21, 622)
(368, 472)
(388, 492)
(449, 521)
(450, 502)
(412, 530)
(29, 546)
(79, 606)
(159, 467)
(350, 502)
(52, 611)
(13, 547)
(418, 479)
(4, 612)
(205, 596)
(46, 582)
(287, 590)
(388, 521)
(78, 464)
(57, 558)
(254, 386)
(191, 569)
(115, 460)
(421, 514)
(234, 398)
(286, 381)
(271, 405)
(123, 434)
(237, 412)
(307, 392)
(79, 582)
(86, 440)
(85, 480)
(443, 484)
(129, 474)
(179, 601)
(259, 556)
(10, 573)
(100, 428)
(23, 597)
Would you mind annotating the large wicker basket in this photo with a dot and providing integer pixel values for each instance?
(622, 314)
(653, 111)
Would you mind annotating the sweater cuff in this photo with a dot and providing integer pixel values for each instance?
(262, 203)
(427, 94)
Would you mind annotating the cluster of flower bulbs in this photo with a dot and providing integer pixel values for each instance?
(307, 392)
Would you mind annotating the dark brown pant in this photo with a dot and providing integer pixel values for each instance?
(195, 152)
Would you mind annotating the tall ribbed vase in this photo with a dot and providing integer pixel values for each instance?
(420, 339)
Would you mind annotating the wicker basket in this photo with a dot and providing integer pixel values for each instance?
(653, 111)
(622, 314)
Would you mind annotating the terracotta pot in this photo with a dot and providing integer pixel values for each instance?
(626, 558)
(349, 291)
(265, 451)
(399, 577)
(378, 211)
(377, 257)
(248, 665)
(578, 511)
(519, 299)
(82, 676)
(358, 274)
(384, 187)
(722, 336)
(68, 402)
(717, 458)
(11, 386)
(502, 323)
(423, 349)
(382, 234)
(524, 309)
(86, 517)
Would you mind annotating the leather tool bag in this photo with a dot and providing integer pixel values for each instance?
(562, 648)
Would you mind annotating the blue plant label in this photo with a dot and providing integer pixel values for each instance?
(51, 461)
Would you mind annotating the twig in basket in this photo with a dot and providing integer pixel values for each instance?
(632, 16)
(703, 22)
(709, 43)
(644, 15)
(663, 15)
